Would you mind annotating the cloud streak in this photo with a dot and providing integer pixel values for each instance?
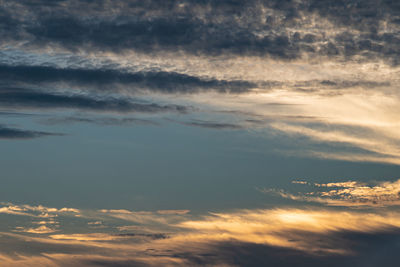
(13, 133)
(35, 99)
(107, 121)
(110, 79)
(213, 125)
(348, 194)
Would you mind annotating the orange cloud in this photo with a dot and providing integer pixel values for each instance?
(350, 193)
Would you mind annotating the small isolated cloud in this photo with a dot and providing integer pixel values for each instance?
(350, 193)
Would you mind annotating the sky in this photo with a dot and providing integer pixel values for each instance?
(199, 133)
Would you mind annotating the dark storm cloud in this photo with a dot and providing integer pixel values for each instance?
(209, 27)
(27, 98)
(13, 133)
(168, 82)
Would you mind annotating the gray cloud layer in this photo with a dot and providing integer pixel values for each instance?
(280, 29)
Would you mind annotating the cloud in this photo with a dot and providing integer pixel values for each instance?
(16, 114)
(162, 220)
(189, 34)
(286, 236)
(13, 133)
(213, 125)
(299, 182)
(35, 99)
(45, 222)
(35, 211)
(321, 122)
(97, 121)
(282, 30)
(43, 229)
(110, 79)
(114, 80)
(301, 66)
(179, 212)
(95, 223)
(86, 237)
(348, 194)
(14, 210)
